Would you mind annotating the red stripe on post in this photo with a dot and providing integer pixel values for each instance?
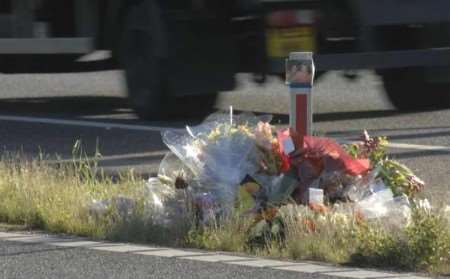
(301, 117)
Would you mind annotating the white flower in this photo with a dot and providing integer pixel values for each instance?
(424, 205)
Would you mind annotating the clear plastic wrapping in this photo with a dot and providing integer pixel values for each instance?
(164, 205)
(380, 204)
(217, 153)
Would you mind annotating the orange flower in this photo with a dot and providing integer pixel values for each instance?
(319, 208)
(269, 213)
(310, 225)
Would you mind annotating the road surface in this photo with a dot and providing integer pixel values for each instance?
(43, 256)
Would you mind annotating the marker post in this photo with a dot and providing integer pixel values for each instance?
(299, 78)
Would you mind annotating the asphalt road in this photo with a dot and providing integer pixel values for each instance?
(342, 108)
(21, 260)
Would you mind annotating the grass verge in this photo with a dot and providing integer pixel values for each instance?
(59, 199)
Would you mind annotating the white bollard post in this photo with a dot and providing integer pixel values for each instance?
(300, 77)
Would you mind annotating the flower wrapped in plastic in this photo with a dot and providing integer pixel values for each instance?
(166, 206)
(271, 155)
(324, 162)
(217, 152)
(380, 204)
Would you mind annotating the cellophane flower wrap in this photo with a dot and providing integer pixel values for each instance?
(218, 152)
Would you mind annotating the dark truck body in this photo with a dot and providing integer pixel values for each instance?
(200, 44)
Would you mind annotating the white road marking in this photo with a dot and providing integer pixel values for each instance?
(105, 158)
(32, 239)
(263, 263)
(333, 271)
(106, 125)
(312, 268)
(83, 123)
(419, 147)
(170, 253)
(407, 146)
(215, 258)
(4, 235)
(75, 243)
(123, 248)
(363, 274)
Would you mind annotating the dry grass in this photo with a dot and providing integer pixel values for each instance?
(56, 199)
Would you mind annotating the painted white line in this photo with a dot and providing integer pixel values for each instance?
(6, 235)
(362, 274)
(170, 253)
(75, 243)
(131, 156)
(312, 268)
(32, 239)
(263, 263)
(399, 145)
(419, 147)
(123, 248)
(82, 123)
(216, 258)
(365, 274)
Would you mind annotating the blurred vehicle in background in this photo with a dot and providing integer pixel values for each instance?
(170, 48)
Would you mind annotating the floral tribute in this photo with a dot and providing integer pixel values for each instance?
(241, 163)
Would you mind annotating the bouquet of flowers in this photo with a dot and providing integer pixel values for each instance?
(277, 167)
(218, 153)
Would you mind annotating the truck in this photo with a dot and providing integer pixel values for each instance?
(174, 48)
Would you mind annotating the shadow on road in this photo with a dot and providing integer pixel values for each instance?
(186, 109)
(73, 106)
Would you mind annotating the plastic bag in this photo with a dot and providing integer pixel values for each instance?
(98, 208)
(124, 206)
(217, 152)
(164, 205)
(363, 186)
(381, 205)
(276, 190)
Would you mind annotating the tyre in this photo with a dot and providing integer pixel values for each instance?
(144, 70)
(408, 89)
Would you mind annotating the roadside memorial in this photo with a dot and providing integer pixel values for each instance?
(241, 165)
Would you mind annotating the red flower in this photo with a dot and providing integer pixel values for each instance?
(333, 157)
(285, 163)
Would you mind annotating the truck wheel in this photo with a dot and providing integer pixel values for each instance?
(144, 71)
(408, 89)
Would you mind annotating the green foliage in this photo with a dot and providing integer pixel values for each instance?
(428, 241)
(377, 247)
(373, 149)
(379, 152)
(423, 245)
(353, 149)
(224, 235)
(396, 175)
(400, 178)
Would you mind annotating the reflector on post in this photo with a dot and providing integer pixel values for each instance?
(299, 77)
